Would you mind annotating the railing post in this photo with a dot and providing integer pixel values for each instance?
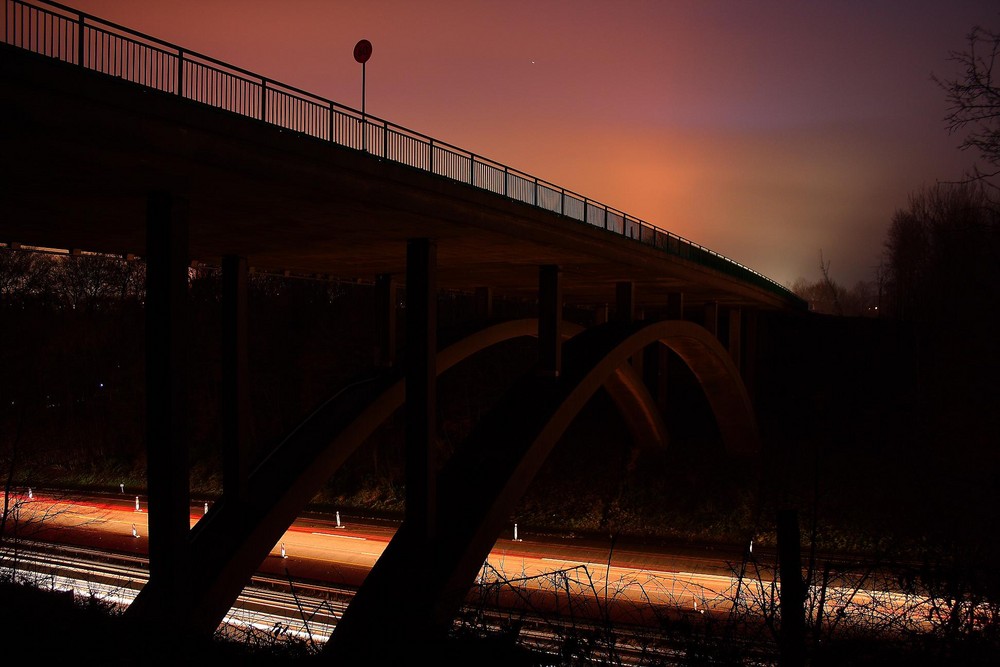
(385, 140)
(605, 217)
(535, 203)
(332, 123)
(180, 72)
(431, 159)
(263, 100)
(472, 168)
(79, 40)
(506, 177)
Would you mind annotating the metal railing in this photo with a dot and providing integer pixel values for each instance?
(63, 33)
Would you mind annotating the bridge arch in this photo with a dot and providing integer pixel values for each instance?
(480, 485)
(230, 542)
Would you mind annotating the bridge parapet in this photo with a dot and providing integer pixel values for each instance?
(77, 38)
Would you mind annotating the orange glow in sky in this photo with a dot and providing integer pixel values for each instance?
(769, 131)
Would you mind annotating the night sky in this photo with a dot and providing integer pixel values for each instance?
(768, 131)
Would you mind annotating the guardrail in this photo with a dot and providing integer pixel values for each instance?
(63, 33)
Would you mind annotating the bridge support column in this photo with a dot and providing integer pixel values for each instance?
(735, 342)
(237, 446)
(750, 338)
(600, 314)
(654, 372)
(484, 304)
(167, 320)
(793, 591)
(550, 306)
(675, 306)
(625, 302)
(712, 318)
(625, 314)
(665, 358)
(421, 389)
(385, 320)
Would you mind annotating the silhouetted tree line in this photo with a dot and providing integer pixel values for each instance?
(938, 280)
(911, 393)
(943, 256)
(943, 284)
(942, 251)
(74, 356)
(900, 409)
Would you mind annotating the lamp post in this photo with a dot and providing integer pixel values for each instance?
(362, 52)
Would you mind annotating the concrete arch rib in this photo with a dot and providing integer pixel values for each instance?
(479, 487)
(230, 542)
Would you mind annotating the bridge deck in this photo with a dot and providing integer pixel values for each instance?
(81, 150)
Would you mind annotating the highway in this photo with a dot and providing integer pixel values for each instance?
(308, 578)
(341, 550)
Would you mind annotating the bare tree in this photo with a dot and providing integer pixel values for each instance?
(24, 275)
(95, 281)
(832, 288)
(974, 101)
(829, 297)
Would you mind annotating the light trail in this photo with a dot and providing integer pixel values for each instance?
(527, 576)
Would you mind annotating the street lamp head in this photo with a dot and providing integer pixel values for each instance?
(363, 51)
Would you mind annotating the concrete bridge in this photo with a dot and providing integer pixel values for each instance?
(116, 142)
